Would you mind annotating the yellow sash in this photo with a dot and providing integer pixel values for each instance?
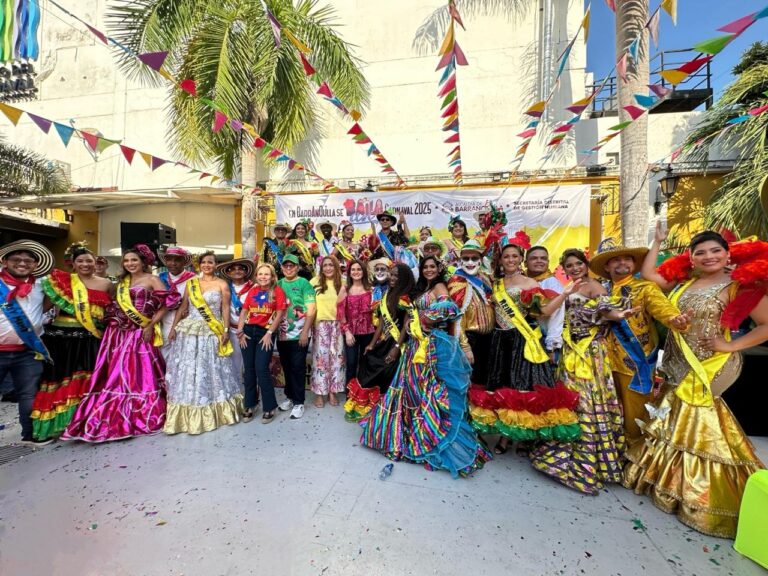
(389, 324)
(126, 305)
(306, 255)
(506, 307)
(421, 352)
(346, 254)
(576, 359)
(702, 372)
(82, 305)
(216, 326)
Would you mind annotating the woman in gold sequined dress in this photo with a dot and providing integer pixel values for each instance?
(696, 459)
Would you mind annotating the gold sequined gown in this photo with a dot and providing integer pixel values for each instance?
(695, 460)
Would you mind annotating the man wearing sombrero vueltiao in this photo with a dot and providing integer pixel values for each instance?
(176, 259)
(633, 342)
(22, 304)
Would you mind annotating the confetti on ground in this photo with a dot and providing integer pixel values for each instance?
(150, 513)
(706, 548)
(161, 523)
(587, 554)
(93, 527)
(715, 562)
(638, 524)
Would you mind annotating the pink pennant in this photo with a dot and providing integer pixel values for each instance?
(189, 86)
(203, 175)
(91, 139)
(753, 112)
(454, 150)
(325, 90)
(738, 26)
(259, 143)
(659, 90)
(98, 33)
(452, 108)
(556, 140)
(675, 154)
(448, 86)
(634, 111)
(43, 123)
(128, 154)
(621, 67)
(653, 27)
(219, 120)
(445, 60)
(564, 128)
(611, 4)
(308, 70)
(695, 64)
(527, 133)
(461, 60)
(274, 154)
(156, 163)
(453, 138)
(455, 14)
(291, 164)
(154, 60)
(355, 129)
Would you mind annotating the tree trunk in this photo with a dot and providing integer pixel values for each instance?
(631, 16)
(249, 205)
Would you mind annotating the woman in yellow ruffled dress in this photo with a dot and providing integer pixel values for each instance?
(696, 459)
(73, 340)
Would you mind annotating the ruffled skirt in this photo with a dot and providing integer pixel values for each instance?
(126, 396)
(204, 392)
(422, 417)
(694, 463)
(596, 457)
(522, 401)
(65, 381)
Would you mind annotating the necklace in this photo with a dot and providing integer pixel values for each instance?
(512, 274)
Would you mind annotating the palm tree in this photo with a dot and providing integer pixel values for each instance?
(736, 204)
(228, 48)
(631, 17)
(24, 173)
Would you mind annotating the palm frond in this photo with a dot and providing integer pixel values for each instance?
(429, 35)
(23, 172)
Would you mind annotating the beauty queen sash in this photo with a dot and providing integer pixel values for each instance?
(217, 327)
(22, 325)
(506, 307)
(126, 305)
(642, 381)
(82, 305)
(275, 250)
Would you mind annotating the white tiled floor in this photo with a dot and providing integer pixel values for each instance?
(302, 497)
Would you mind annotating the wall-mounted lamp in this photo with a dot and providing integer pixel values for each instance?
(668, 183)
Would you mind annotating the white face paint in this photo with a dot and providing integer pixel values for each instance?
(381, 274)
(471, 264)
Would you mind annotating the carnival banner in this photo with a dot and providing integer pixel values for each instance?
(556, 216)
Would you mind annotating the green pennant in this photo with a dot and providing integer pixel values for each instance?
(450, 97)
(359, 137)
(714, 45)
(621, 126)
(103, 144)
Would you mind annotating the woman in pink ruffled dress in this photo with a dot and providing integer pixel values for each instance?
(126, 396)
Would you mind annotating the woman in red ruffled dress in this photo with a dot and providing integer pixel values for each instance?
(521, 401)
(73, 340)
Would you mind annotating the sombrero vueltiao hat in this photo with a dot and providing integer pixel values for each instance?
(327, 223)
(608, 250)
(277, 225)
(388, 213)
(41, 253)
(432, 241)
(373, 263)
(247, 263)
(472, 245)
(176, 251)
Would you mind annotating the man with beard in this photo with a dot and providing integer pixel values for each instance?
(537, 267)
(379, 269)
(633, 343)
(175, 259)
(471, 290)
(22, 305)
(274, 248)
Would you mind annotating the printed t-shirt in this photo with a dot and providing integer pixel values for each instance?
(259, 308)
(299, 293)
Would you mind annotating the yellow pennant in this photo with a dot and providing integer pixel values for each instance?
(296, 42)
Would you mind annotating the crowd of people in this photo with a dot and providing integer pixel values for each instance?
(439, 350)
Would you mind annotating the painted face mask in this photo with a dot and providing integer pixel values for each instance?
(381, 274)
(471, 264)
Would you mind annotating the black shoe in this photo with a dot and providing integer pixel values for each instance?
(35, 442)
(10, 397)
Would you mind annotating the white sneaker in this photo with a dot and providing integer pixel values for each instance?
(286, 405)
(297, 412)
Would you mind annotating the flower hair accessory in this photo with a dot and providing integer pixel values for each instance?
(76, 249)
(520, 239)
(145, 253)
(455, 219)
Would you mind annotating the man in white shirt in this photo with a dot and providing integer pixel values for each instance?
(176, 261)
(537, 267)
(22, 306)
(239, 274)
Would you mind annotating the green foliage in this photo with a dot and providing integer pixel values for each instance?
(736, 204)
(227, 47)
(23, 173)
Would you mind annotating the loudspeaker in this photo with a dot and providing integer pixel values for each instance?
(153, 234)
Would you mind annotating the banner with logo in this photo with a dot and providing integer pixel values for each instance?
(556, 216)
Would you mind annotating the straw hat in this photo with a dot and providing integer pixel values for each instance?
(247, 263)
(607, 251)
(277, 225)
(432, 241)
(176, 251)
(373, 263)
(41, 253)
(327, 223)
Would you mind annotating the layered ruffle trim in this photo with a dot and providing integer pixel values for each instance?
(541, 414)
(58, 287)
(359, 401)
(55, 404)
(184, 418)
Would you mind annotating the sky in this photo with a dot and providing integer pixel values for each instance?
(697, 20)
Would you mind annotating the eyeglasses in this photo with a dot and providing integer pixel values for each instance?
(289, 265)
(17, 260)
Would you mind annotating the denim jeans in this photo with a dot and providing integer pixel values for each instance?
(25, 373)
(256, 364)
(354, 352)
(293, 359)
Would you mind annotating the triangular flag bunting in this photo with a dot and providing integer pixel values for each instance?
(758, 110)
(13, 114)
(148, 159)
(653, 27)
(189, 86)
(634, 111)
(563, 127)
(450, 97)
(104, 143)
(714, 45)
(325, 90)
(156, 163)
(450, 109)
(585, 22)
(455, 14)
(694, 65)
(674, 77)
(154, 60)
(461, 59)
(259, 143)
(621, 125)
(219, 120)
(355, 115)
(446, 47)
(274, 25)
(621, 67)
(611, 4)
(632, 50)
(98, 33)
(356, 129)
(65, 132)
(274, 154)
(300, 46)
(738, 26)
(537, 109)
(564, 59)
(236, 124)
(527, 133)
(670, 7)
(308, 69)
(445, 60)
(739, 119)
(452, 139)
(43, 123)
(91, 139)
(128, 154)
(448, 86)
(659, 90)
(644, 101)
